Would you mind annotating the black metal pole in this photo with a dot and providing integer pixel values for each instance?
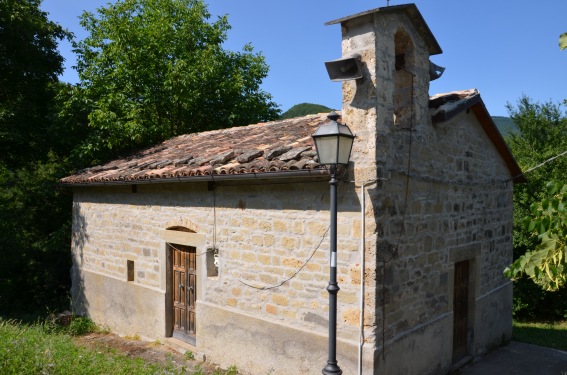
(332, 368)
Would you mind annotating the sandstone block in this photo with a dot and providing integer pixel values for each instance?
(271, 309)
(280, 299)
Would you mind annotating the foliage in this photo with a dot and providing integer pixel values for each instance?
(189, 355)
(34, 219)
(40, 349)
(35, 235)
(304, 109)
(232, 370)
(75, 326)
(531, 303)
(153, 69)
(563, 41)
(81, 326)
(32, 350)
(541, 135)
(34, 215)
(549, 335)
(29, 65)
(546, 265)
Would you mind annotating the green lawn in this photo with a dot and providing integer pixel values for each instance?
(47, 349)
(550, 335)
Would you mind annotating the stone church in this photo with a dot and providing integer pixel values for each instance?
(217, 242)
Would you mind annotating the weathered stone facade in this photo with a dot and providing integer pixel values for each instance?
(265, 234)
(435, 195)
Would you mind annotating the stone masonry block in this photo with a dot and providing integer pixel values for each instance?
(298, 227)
(293, 263)
(289, 243)
(249, 257)
(316, 228)
(271, 309)
(351, 316)
(265, 259)
(280, 226)
(280, 299)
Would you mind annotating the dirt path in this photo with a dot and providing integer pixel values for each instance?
(153, 352)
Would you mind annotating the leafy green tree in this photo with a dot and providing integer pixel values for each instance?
(29, 66)
(34, 216)
(546, 265)
(563, 41)
(34, 238)
(541, 136)
(153, 69)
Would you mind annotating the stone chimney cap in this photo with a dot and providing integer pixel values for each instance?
(411, 11)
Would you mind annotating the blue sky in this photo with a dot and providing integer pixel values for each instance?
(502, 48)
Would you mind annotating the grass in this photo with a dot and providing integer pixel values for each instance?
(550, 335)
(36, 349)
(42, 348)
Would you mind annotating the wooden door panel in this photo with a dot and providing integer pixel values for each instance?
(184, 274)
(460, 310)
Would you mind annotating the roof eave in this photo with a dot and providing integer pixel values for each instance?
(307, 174)
(464, 104)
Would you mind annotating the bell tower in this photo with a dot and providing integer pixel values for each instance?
(392, 46)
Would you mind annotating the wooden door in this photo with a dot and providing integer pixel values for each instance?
(461, 310)
(184, 292)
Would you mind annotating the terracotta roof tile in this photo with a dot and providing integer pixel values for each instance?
(276, 146)
(283, 146)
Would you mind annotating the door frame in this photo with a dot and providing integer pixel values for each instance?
(472, 290)
(186, 237)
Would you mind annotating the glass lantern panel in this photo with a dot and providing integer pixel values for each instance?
(327, 150)
(345, 144)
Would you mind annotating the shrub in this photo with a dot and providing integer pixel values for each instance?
(81, 326)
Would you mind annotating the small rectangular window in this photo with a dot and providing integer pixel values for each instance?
(130, 269)
(212, 262)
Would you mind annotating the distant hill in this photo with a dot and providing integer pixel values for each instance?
(505, 125)
(304, 109)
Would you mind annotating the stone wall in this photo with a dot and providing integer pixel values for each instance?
(266, 233)
(439, 198)
(458, 207)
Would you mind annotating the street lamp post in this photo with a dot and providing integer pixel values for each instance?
(333, 143)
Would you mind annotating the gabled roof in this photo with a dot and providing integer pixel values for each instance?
(446, 106)
(274, 149)
(282, 148)
(413, 14)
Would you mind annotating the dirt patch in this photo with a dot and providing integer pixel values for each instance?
(153, 352)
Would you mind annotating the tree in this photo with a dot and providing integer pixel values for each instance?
(563, 41)
(153, 69)
(35, 235)
(546, 265)
(541, 136)
(29, 66)
(34, 216)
